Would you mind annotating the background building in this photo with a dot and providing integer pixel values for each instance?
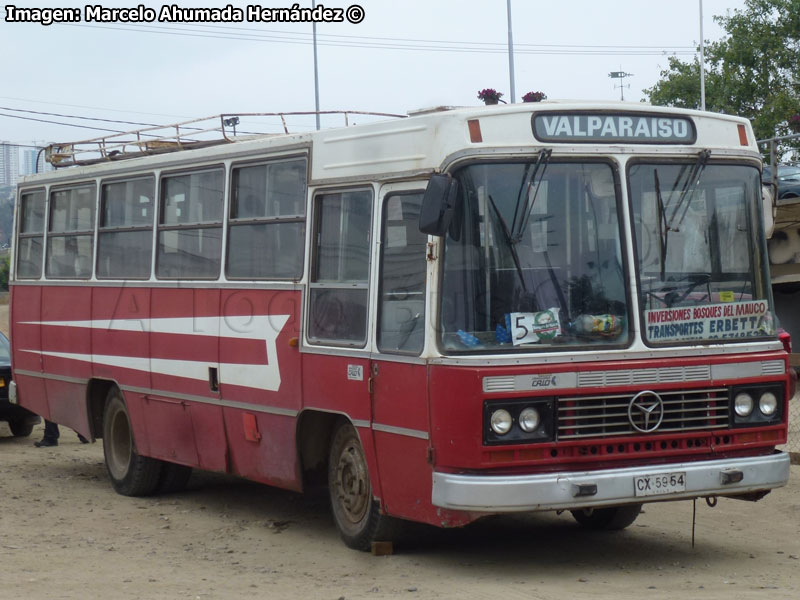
(33, 161)
(9, 163)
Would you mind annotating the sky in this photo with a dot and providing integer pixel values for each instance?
(403, 55)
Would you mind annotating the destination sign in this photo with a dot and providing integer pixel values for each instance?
(605, 128)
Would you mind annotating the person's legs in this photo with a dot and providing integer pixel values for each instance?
(50, 435)
(51, 430)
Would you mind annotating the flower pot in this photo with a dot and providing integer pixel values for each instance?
(490, 101)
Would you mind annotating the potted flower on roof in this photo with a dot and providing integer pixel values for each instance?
(534, 97)
(490, 96)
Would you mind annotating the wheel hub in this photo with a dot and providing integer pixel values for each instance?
(352, 481)
(121, 446)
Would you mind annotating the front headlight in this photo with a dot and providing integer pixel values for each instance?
(500, 421)
(518, 421)
(756, 405)
(529, 420)
(743, 404)
(768, 404)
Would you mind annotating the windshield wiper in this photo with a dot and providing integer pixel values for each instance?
(663, 230)
(678, 293)
(689, 188)
(542, 161)
(509, 243)
(523, 184)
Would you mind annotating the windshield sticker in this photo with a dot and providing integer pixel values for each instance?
(710, 322)
(532, 328)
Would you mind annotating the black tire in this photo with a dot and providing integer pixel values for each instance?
(20, 428)
(355, 511)
(607, 519)
(130, 474)
(173, 478)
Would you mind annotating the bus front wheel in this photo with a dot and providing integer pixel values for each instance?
(355, 512)
(608, 519)
(20, 428)
(130, 474)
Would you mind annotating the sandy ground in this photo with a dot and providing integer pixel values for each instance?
(64, 533)
(67, 534)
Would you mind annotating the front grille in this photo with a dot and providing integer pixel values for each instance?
(644, 376)
(607, 416)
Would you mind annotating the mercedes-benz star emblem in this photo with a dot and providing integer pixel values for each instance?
(646, 411)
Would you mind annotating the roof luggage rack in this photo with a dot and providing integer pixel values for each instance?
(187, 135)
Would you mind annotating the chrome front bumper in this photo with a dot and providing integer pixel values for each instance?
(584, 489)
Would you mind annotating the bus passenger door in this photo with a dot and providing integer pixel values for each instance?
(336, 356)
(398, 373)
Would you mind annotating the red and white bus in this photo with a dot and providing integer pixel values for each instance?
(546, 306)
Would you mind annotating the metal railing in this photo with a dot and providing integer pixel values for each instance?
(195, 133)
(773, 143)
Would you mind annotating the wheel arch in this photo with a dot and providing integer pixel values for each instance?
(313, 435)
(96, 393)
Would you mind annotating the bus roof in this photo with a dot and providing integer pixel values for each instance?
(426, 140)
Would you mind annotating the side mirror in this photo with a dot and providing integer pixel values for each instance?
(438, 204)
(768, 209)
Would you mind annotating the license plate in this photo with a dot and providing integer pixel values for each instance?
(660, 483)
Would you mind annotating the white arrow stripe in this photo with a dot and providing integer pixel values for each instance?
(253, 327)
(263, 327)
(260, 376)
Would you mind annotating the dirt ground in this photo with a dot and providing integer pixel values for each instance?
(64, 533)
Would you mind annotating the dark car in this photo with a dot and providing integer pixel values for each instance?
(788, 180)
(20, 420)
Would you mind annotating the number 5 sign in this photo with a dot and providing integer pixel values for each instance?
(531, 328)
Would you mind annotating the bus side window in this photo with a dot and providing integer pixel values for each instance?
(125, 238)
(70, 241)
(31, 235)
(340, 278)
(190, 225)
(401, 310)
(266, 234)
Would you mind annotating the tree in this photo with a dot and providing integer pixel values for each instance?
(4, 268)
(6, 218)
(753, 72)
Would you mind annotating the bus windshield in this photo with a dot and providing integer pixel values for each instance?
(533, 258)
(700, 257)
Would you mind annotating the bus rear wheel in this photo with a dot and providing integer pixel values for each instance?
(130, 474)
(355, 511)
(173, 478)
(608, 519)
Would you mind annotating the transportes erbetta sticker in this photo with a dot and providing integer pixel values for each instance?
(709, 322)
